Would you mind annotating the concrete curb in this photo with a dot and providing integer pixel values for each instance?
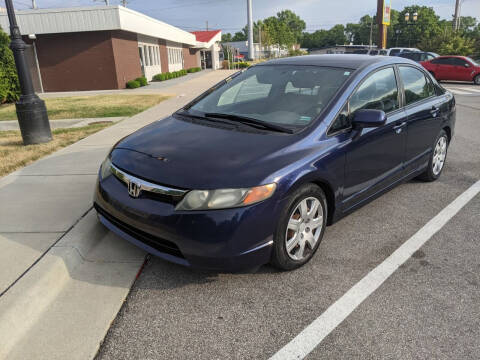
(76, 288)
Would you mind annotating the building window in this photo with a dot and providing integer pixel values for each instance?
(145, 53)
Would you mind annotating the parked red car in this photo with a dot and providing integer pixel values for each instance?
(460, 68)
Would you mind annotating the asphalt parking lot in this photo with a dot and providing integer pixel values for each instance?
(428, 308)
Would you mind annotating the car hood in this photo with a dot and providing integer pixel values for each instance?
(200, 156)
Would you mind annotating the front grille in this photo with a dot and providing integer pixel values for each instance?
(155, 242)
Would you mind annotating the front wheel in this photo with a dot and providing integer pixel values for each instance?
(476, 80)
(300, 228)
(437, 158)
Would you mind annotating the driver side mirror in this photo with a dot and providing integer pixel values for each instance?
(467, 65)
(368, 118)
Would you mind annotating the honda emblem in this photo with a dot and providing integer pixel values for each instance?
(134, 189)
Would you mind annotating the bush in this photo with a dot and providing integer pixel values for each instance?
(193, 70)
(133, 84)
(142, 80)
(160, 77)
(170, 75)
(243, 65)
(9, 85)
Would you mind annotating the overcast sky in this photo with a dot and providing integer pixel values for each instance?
(230, 15)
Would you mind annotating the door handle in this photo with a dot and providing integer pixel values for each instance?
(398, 128)
(434, 110)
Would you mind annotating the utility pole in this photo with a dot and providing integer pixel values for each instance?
(371, 31)
(31, 110)
(382, 29)
(207, 25)
(250, 29)
(34, 4)
(259, 39)
(456, 17)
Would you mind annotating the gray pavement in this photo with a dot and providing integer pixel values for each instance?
(63, 276)
(428, 309)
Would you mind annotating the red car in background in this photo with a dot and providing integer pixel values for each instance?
(460, 68)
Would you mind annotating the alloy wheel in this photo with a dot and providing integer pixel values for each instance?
(439, 155)
(304, 228)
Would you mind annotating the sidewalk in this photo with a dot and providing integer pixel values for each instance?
(63, 276)
(153, 87)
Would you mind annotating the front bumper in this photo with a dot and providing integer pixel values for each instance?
(225, 240)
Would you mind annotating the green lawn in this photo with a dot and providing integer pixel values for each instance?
(91, 106)
(15, 155)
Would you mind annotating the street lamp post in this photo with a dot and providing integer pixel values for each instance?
(408, 22)
(31, 110)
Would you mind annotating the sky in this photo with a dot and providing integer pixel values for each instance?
(230, 15)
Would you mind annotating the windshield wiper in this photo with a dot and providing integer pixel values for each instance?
(203, 117)
(251, 121)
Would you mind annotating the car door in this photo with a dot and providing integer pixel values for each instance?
(442, 68)
(374, 156)
(462, 70)
(422, 108)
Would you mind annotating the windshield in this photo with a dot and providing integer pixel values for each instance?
(472, 61)
(287, 95)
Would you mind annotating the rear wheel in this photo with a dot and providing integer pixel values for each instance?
(476, 80)
(437, 158)
(300, 228)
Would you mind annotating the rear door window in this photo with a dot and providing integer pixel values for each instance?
(394, 52)
(416, 86)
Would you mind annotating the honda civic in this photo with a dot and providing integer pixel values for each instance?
(253, 170)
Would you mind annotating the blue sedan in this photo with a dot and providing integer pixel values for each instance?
(253, 170)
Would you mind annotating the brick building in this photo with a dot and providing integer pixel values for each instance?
(102, 47)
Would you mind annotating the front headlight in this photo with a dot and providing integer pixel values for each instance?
(225, 198)
(105, 169)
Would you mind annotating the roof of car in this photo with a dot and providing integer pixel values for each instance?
(452, 56)
(353, 61)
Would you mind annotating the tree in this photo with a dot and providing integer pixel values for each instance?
(9, 85)
(448, 42)
(239, 36)
(227, 37)
(411, 33)
(294, 23)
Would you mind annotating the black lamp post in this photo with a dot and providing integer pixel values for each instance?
(408, 22)
(31, 110)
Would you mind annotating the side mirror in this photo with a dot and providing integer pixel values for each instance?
(467, 65)
(368, 118)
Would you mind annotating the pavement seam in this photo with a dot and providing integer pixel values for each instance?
(468, 106)
(46, 251)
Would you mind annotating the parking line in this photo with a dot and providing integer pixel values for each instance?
(313, 334)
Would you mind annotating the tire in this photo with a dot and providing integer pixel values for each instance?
(435, 168)
(476, 79)
(310, 228)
